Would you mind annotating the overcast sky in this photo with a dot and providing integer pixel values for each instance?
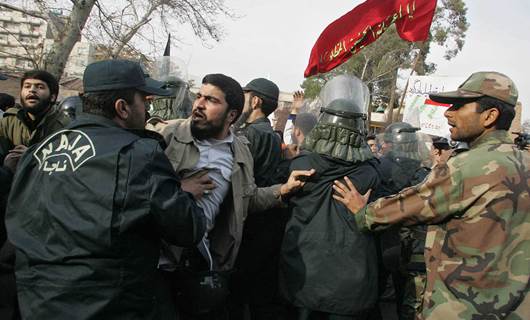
(273, 39)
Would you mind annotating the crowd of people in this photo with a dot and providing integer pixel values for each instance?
(109, 213)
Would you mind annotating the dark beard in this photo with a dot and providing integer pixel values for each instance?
(39, 109)
(208, 131)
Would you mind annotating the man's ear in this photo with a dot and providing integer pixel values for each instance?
(256, 102)
(232, 115)
(490, 117)
(122, 109)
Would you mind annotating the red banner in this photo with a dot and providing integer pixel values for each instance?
(364, 24)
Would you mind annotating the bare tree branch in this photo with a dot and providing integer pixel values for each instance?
(30, 53)
(49, 17)
(124, 40)
(32, 13)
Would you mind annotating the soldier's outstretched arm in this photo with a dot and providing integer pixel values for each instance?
(439, 196)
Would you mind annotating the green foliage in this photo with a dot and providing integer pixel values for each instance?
(377, 64)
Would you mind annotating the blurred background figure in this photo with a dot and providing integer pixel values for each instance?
(372, 143)
(522, 140)
(440, 151)
(302, 125)
(6, 101)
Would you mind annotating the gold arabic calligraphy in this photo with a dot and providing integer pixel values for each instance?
(356, 44)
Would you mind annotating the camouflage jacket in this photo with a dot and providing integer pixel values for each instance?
(477, 250)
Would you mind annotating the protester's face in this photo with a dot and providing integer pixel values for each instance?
(465, 122)
(137, 111)
(35, 94)
(373, 146)
(210, 113)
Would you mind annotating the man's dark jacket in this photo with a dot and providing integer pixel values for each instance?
(255, 280)
(398, 173)
(326, 263)
(86, 214)
(266, 149)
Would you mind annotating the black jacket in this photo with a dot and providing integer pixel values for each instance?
(396, 175)
(266, 149)
(326, 263)
(86, 213)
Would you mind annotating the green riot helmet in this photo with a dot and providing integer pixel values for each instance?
(403, 141)
(341, 129)
(71, 106)
(345, 100)
(400, 132)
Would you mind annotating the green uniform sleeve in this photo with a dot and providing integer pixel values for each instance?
(438, 197)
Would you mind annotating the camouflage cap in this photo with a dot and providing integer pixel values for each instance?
(480, 84)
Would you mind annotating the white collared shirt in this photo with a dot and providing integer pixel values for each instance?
(217, 157)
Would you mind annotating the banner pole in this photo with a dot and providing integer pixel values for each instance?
(413, 66)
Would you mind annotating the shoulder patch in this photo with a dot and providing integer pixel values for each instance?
(65, 150)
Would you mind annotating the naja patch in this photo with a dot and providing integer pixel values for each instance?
(63, 151)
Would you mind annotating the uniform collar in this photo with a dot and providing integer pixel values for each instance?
(492, 138)
(92, 119)
(86, 119)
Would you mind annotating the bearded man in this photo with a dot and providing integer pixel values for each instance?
(20, 128)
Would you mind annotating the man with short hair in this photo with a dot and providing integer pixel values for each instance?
(205, 144)
(88, 242)
(255, 278)
(477, 207)
(302, 125)
(261, 99)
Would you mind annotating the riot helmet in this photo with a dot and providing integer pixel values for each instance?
(71, 106)
(401, 140)
(345, 101)
(342, 126)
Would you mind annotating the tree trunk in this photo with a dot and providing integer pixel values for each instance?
(56, 58)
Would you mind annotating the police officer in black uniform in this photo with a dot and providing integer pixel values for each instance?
(90, 205)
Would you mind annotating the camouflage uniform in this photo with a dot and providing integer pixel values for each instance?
(477, 206)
